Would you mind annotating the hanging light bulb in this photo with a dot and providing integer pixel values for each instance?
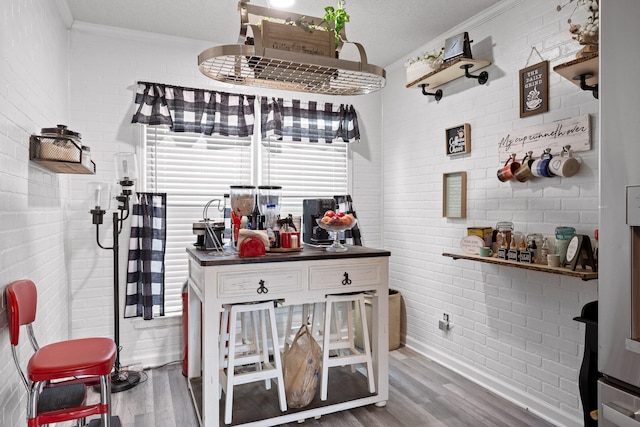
(280, 3)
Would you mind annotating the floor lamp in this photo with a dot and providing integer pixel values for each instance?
(100, 193)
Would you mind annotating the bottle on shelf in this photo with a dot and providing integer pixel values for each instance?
(544, 251)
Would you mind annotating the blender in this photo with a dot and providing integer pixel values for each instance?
(243, 200)
(269, 204)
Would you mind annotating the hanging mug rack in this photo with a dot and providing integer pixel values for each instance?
(547, 166)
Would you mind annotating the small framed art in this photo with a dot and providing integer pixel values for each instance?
(534, 89)
(454, 195)
(458, 140)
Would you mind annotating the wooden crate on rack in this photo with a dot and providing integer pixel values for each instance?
(291, 38)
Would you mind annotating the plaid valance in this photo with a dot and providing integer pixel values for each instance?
(294, 120)
(195, 110)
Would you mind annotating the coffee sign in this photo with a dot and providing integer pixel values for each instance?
(458, 140)
(575, 132)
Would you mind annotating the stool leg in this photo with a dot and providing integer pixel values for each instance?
(105, 399)
(228, 404)
(223, 345)
(288, 326)
(367, 345)
(276, 360)
(324, 379)
(263, 348)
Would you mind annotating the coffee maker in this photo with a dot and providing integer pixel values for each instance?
(313, 209)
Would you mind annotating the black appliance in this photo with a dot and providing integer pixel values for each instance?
(313, 209)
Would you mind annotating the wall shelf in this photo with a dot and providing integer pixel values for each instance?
(449, 72)
(66, 157)
(580, 274)
(582, 72)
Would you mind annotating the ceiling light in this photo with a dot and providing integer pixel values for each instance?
(280, 3)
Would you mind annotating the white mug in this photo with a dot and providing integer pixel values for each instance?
(564, 165)
(553, 260)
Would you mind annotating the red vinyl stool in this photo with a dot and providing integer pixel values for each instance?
(54, 369)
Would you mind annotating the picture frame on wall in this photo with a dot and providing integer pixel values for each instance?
(458, 140)
(454, 195)
(534, 89)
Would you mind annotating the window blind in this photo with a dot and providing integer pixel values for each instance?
(192, 169)
(305, 171)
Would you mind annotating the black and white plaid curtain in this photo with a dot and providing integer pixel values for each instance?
(195, 110)
(294, 120)
(145, 271)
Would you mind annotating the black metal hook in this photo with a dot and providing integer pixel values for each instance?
(437, 94)
(584, 86)
(483, 77)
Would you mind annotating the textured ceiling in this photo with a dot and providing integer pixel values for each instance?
(388, 29)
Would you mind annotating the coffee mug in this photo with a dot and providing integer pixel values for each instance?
(485, 251)
(540, 167)
(524, 171)
(553, 260)
(509, 169)
(566, 165)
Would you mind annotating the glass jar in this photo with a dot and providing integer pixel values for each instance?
(563, 235)
(242, 199)
(503, 237)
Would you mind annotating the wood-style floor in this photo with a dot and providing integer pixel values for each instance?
(421, 393)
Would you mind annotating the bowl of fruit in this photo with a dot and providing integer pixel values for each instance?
(335, 223)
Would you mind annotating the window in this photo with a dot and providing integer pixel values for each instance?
(194, 169)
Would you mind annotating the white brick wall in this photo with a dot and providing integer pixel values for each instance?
(33, 225)
(512, 329)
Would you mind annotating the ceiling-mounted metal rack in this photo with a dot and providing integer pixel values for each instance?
(260, 66)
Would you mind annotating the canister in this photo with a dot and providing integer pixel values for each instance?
(563, 235)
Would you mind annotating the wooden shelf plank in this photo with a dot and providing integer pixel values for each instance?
(59, 166)
(448, 72)
(571, 69)
(581, 274)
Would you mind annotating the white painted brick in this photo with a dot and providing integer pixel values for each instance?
(544, 375)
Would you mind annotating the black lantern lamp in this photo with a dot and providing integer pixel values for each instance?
(100, 196)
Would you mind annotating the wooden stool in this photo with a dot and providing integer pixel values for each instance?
(247, 354)
(347, 354)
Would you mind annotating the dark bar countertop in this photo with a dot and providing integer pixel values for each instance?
(308, 253)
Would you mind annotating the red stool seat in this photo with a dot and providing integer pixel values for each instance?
(87, 356)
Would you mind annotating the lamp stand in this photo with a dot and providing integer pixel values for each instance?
(120, 380)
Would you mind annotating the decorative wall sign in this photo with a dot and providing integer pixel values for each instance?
(575, 132)
(454, 195)
(458, 140)
(534, 89)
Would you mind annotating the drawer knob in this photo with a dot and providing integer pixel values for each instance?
(346, 280)
(262, 289)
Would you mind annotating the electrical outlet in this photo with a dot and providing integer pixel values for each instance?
(443, 324)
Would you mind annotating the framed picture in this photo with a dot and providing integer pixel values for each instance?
(534, 89)
(454, 195)
(458, 140)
